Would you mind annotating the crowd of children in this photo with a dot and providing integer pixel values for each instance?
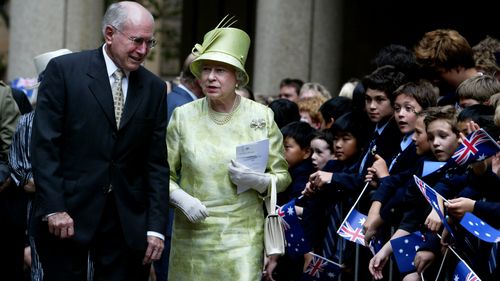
(369, 159)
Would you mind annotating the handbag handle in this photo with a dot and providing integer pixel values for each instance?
(271, 200)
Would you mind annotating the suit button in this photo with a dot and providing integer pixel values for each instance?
(107, 189)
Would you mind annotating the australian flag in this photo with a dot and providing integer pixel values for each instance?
(477, 146)
(352, 227)
(295, 240)
(404, 250)
(319, 269)
(464, 273)
(431, 197)
(376, 244)
(480, 229)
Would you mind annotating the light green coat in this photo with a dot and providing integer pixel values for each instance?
(228, 245)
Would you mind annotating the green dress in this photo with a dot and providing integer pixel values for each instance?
(228, 245)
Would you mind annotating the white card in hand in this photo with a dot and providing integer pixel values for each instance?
(253, 155)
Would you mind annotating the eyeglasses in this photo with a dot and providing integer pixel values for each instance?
(138, 41)
(407, 108)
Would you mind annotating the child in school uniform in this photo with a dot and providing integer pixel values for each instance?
(387, 200)
(385, 139)
(329, 204)
(441, 138)
(297, 137)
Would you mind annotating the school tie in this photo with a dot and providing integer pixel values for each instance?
(492, 260)
(368, 158)
(118, 95)
(332, 245)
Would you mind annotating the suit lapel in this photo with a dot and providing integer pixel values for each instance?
(99, 85)
(134, 97)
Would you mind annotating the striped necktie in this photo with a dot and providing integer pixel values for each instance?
(492, 260)
(118, 95)
(333, 246)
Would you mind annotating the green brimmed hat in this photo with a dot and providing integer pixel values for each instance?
(223, 44)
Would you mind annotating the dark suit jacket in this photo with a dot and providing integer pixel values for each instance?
(176, 98)
(78, 152)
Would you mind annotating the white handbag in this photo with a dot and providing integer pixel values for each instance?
(274, 235)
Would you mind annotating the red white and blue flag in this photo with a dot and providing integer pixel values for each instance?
(464, 273)
(431, 196)
(320, 269)
(475, 147)
(296, 242)
(352, 227)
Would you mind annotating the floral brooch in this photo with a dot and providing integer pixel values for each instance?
(258, 124)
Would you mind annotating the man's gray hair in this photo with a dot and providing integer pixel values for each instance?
(115, 15)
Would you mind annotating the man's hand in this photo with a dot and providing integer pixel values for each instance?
(154, 250)
(61, 225)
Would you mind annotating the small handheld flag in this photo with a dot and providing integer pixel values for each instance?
(319, 269)
(296, 242)
(480, 229)
(404, 249)
(464, 273)
(431, 197)
(352, 227)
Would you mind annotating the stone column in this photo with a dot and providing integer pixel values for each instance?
(42, 26)
(296, 39)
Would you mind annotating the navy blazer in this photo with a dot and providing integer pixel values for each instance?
(79, 154)
(176, 98)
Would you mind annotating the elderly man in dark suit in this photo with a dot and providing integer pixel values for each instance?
(99, 156)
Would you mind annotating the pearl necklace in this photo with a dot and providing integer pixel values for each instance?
(226, 116)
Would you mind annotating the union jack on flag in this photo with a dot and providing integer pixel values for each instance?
(296, 242)
(463, 272)
(475, 147)
(431, 196)
(320, 269)
(352, 228)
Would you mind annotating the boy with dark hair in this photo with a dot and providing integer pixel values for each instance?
(297, 138)
(387, 200)
(332, 109)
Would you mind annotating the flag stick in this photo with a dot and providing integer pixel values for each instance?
(449, 247)
(354, 205)
(318, 256)
(441, 266)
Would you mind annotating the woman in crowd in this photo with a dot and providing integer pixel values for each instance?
(218, 232)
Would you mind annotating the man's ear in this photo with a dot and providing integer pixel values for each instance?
(308, 153)
(108, 33)
(329, 123)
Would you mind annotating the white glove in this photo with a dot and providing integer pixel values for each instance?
(244, 177)
(192, 207)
